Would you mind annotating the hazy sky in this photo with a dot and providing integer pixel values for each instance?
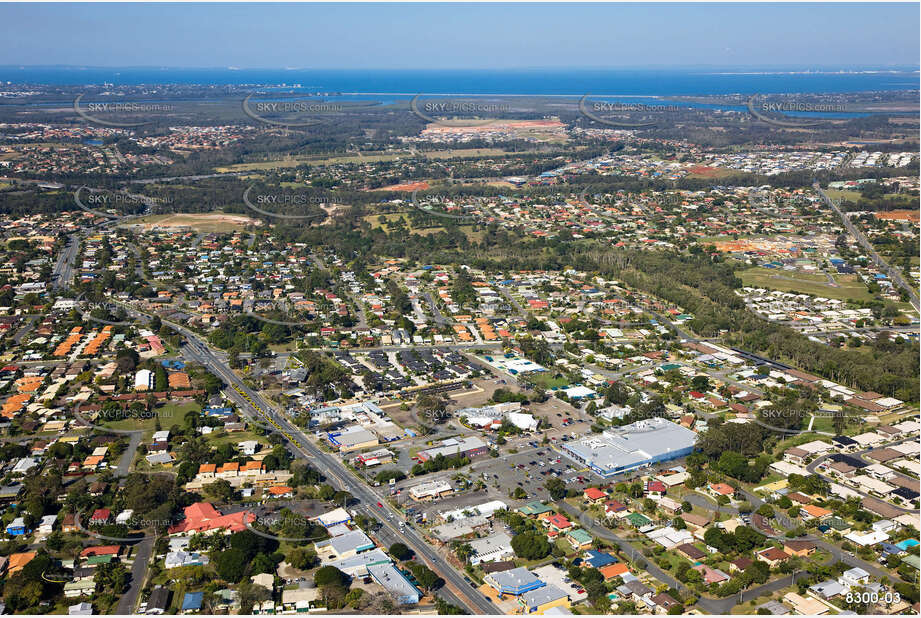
(459, 35)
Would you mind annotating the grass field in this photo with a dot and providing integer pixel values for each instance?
(853, 196)
(374, 221)
(843, 194)
(369, 157)
(546, 380)
(849, 287)
(171, 413)
(235, 438)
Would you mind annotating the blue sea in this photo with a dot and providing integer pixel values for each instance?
(555, 81)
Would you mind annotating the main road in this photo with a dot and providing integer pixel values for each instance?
(894, 273)
(63, 272)
(330, 465)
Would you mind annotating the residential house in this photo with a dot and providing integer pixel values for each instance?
(594, 495)
(720, 489)
(772, 556)
(158, 601)
(799, 548)
(579, 539)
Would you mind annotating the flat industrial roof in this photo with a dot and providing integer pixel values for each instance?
(633, 444)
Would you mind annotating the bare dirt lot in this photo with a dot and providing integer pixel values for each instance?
(202, 222)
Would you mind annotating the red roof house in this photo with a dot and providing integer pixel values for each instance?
(656, 488)
(593, 494)
(559, 523)
(101, 550)
(202, 517)
(100, 516)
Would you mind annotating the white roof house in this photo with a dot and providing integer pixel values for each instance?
(80, 609)
(248, 447)
(24, 465)
(46, 525)
(124, 516)
(868, 539)
(144, 380)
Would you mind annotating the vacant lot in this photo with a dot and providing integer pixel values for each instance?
(217, 222)
(848, 286)
(170, 413)
(703, 171)
(843, 194)
(899, 215)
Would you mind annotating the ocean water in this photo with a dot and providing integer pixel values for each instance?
(562, 82)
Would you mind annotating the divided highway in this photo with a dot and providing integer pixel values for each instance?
(329, 465)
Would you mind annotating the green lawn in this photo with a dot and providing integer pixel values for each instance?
(546, 379)
(236, 437)
(806, 283)
(843, 194)
(169, 414)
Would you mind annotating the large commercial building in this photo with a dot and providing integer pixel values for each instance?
(431, 490)
(515, 581)
(394, 582)
(632, 446)
(351, 438)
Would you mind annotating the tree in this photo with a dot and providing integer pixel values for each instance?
(447, 609)
(219, 491)
(700, 383)
(353, 598)
(330, 576)
(251, 544)
(757, 572)
(401, 551)
(463, 551)
(112, 577)
(426, 577)
(384, 476)
(556, 488)
(21, 594)
(230, 564)
(262, 564)
(302, 558)
(433, 408)
(531, 545)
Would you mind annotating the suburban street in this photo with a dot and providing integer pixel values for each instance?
(328, 464)
(143, 551)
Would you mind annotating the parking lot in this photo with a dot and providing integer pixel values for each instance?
(530, 469)
(555, 576)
